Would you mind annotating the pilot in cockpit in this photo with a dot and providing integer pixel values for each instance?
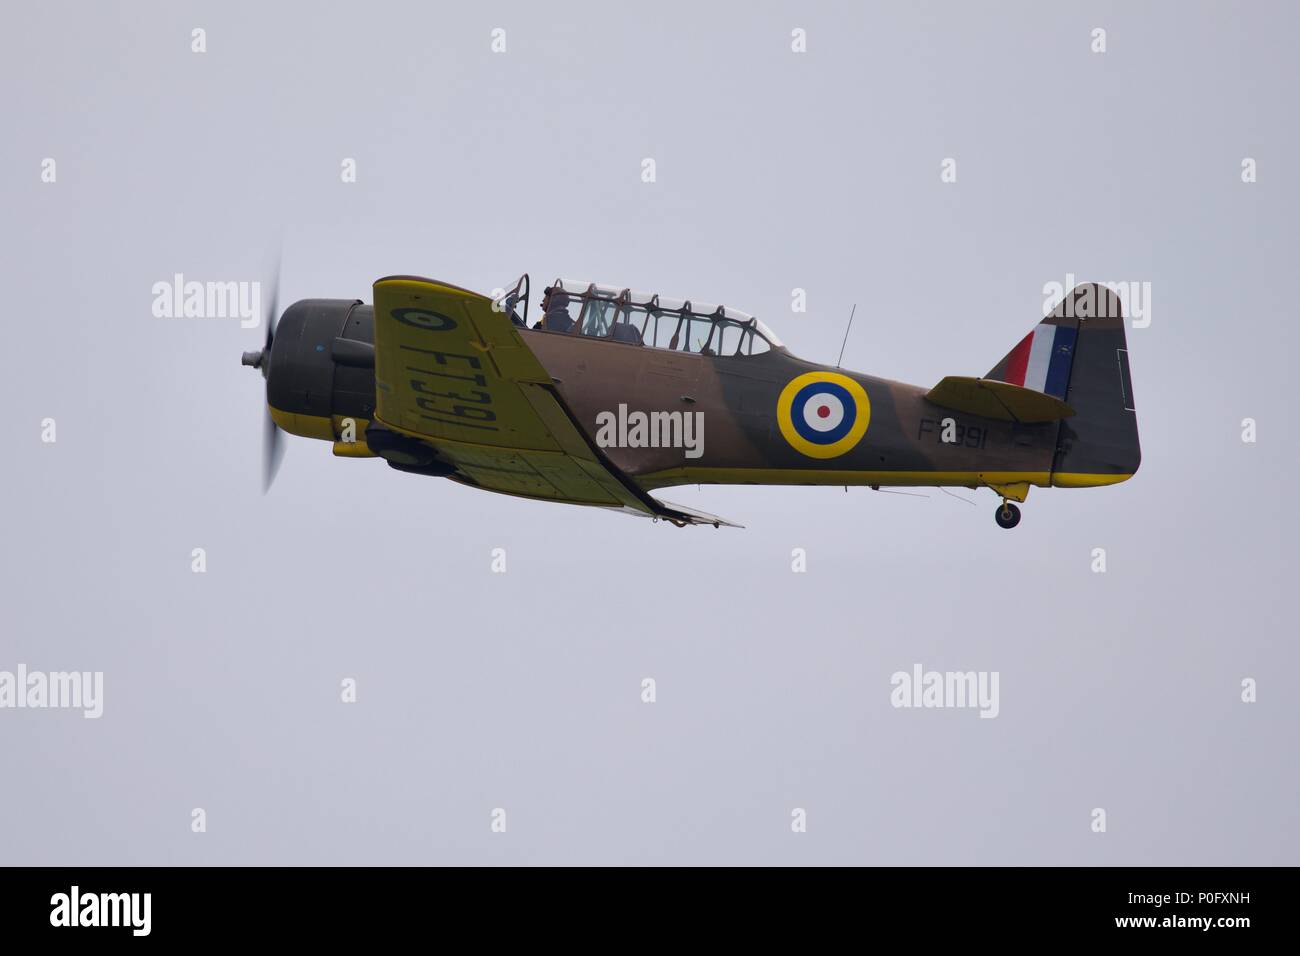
(555, 311)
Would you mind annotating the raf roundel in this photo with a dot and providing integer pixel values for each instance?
(823, 414)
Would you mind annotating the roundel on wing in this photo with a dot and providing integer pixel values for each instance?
(823, 414)
(425, 319)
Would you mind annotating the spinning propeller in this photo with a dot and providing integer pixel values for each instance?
(272, 442)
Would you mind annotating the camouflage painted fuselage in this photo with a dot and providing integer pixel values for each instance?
(737, 397)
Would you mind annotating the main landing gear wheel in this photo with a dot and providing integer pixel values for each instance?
(1007, 515)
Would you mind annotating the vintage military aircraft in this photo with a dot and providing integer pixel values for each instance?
(614, 394)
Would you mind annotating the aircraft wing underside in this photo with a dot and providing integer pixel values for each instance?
(455, 373)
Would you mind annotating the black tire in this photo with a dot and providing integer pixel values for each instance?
(1007, 515)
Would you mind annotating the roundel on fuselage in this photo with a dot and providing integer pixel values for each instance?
(823, 414)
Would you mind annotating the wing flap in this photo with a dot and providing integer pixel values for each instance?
(684, 515)
(534, 474)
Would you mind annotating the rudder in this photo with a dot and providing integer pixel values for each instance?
(1098, 445)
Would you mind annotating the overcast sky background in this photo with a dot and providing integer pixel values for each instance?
(775, 171)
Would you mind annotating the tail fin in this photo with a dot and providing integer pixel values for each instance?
(1079, 354)
(1043, 358)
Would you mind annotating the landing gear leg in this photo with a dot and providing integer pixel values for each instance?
(1007, 515)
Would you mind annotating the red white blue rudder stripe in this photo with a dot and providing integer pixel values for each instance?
(1042, 360)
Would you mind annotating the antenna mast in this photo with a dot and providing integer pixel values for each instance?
(846, 335)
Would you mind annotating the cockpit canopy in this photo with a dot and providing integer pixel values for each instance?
(643, 318)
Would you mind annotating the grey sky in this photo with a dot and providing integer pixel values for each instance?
(775, 171)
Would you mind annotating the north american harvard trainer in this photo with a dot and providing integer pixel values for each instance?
(613, 394)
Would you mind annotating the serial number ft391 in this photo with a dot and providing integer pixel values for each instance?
(948, 431)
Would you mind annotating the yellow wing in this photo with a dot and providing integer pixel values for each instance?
(455, 373)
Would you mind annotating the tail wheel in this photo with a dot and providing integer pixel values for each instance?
(1007, 515)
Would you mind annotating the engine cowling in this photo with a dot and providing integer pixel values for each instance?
(318, 375)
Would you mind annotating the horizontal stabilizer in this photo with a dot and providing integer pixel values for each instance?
(990, 398)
